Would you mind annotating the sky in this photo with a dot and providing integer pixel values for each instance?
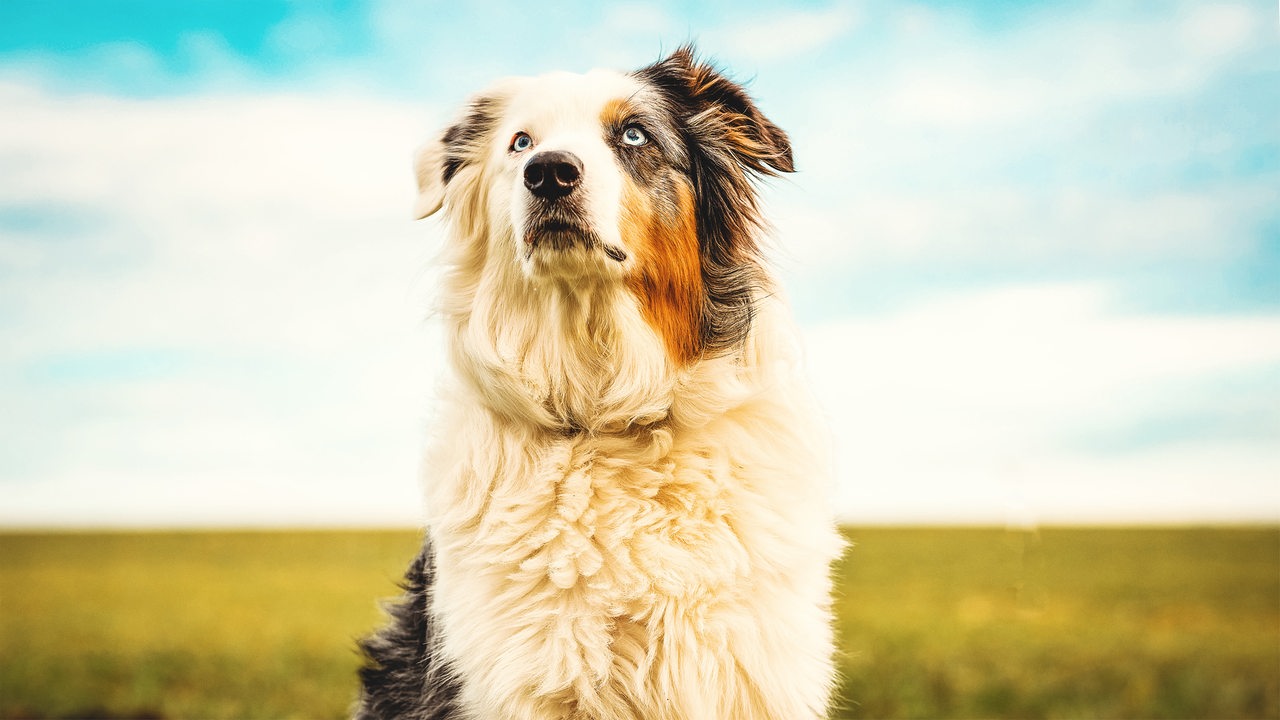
(1034, 248)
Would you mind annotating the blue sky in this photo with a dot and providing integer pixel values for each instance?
(1034, 248)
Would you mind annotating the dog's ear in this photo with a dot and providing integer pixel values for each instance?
(729, 143)
(722, 112)
(428, 166)
(439, 161)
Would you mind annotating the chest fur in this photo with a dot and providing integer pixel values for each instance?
(585, 563)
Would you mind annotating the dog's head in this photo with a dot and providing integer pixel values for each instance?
(641, 182)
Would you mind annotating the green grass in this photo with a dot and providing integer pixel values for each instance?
(1071, 623)
(933, 622)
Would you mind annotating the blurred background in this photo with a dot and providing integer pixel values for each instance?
(1034, 249)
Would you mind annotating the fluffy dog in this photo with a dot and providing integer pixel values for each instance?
(627, 500)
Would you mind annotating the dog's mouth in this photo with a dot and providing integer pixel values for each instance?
(558, 233)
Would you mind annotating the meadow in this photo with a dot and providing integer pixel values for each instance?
(933, 623)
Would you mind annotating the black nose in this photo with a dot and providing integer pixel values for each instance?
(553, 174)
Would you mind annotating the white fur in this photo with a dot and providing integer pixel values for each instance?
(615, 537)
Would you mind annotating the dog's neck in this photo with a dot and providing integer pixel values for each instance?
(561, 355)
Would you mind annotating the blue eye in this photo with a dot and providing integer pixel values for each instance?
(521, 142)
(634, 136)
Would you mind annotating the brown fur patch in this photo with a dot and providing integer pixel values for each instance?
(615, 113)
(668, 277)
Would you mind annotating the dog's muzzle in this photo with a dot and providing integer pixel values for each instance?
(556, 217)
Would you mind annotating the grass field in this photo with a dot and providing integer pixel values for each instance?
(1075, 623)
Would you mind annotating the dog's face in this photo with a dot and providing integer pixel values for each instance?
(639, 181)
(558, 155)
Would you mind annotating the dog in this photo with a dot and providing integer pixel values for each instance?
(627, 500)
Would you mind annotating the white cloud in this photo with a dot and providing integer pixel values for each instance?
(1074, 136)
(1060, 65)
(972, 404)
(1223, 28)
(637, 18)
(1014, 228)
(239, 202)
(264, 241)
(783, 34)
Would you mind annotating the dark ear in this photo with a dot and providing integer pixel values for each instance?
(728, 142)
(722, 111)
(439, 161)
